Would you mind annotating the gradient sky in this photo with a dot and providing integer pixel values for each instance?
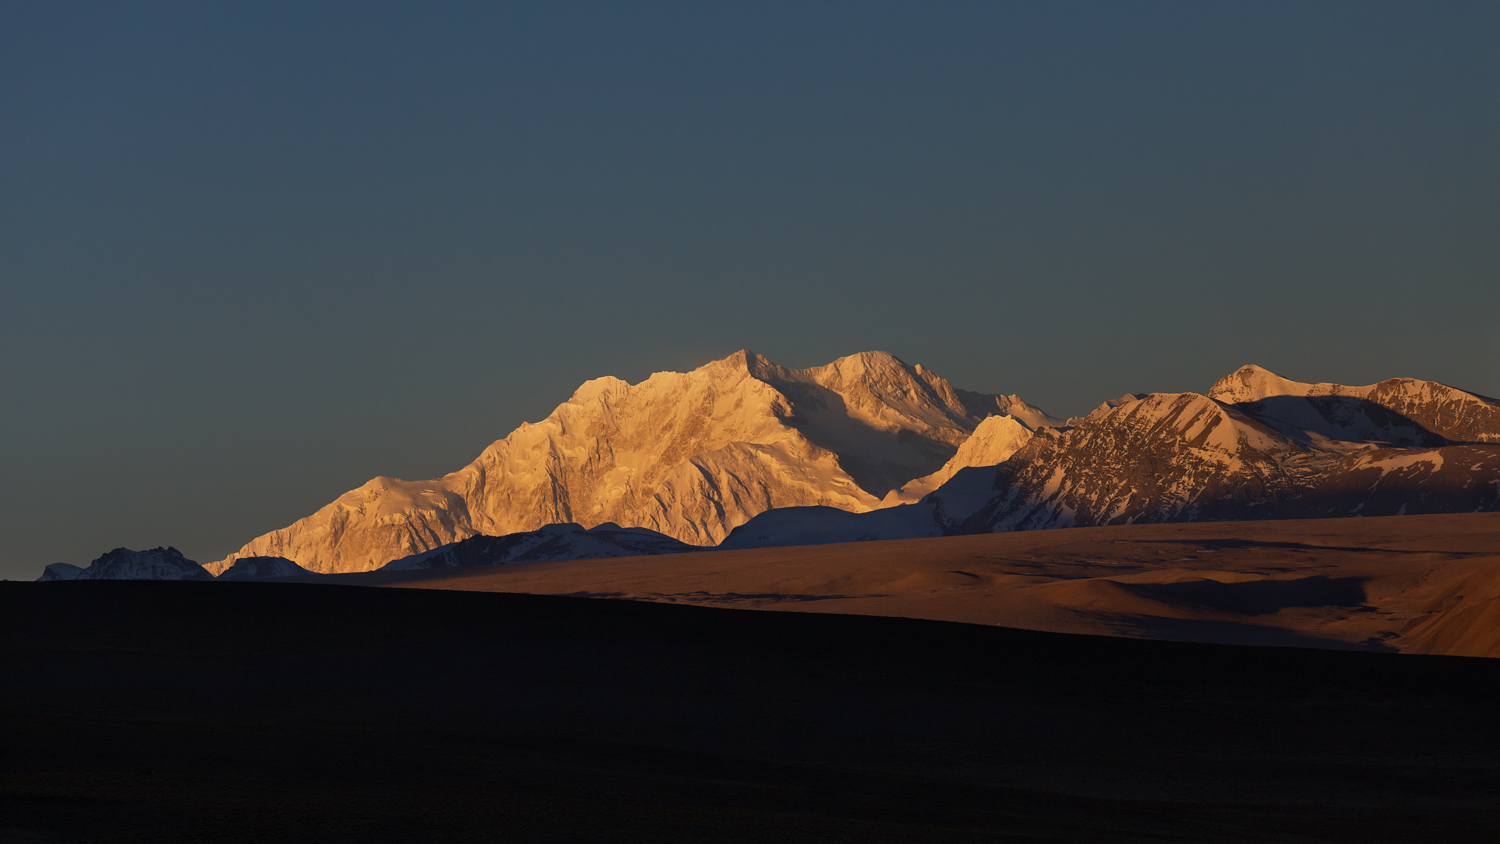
(252, 255)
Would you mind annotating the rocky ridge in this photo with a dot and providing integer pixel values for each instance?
(1279, 449)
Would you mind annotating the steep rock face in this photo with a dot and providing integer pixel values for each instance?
(247, 568)
(553, 542)
(690, 455)
(155, 564)
(992, 443)
(1399, 411)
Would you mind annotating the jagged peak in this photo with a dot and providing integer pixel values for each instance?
(741, 359)
(871, 368)
(1000, 422)
(1176, 409)
(608, 385)
(754, 365)
(874, 360)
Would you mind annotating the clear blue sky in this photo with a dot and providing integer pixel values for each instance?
(253, 254)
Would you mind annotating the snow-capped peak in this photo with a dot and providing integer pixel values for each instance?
(689, 454)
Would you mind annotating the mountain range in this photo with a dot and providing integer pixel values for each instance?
(1257, 446)
(744, 453)
(689, 455)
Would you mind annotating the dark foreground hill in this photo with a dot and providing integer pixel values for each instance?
(160, 711)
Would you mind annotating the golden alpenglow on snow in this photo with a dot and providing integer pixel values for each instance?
(992, 443)
(692, 455)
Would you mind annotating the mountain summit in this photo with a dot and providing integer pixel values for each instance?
(689, 455)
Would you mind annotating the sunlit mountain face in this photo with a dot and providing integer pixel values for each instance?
(689, 455)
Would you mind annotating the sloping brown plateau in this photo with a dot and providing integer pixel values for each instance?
(1414, 584)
